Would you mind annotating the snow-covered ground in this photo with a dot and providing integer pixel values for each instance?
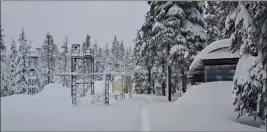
(204, 107)
(51, 110)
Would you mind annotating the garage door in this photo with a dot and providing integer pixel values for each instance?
(219, 73)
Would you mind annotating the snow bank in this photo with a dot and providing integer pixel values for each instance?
(204, 107)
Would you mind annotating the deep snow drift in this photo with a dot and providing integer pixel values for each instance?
(204, 107)
(51, 110)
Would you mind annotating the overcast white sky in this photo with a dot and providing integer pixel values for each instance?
(100, 19)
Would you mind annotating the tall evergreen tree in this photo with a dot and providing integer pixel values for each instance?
(3, 64)
(49, 54)
(127, 62)
(247, 26)
(23, 65)
(100, 60)
(107, 59)
(115, 55)
(97, 62)
(122, 50)
(140, 72)
(149, 49)
(212, 19)
(13, 66)
(177, 23)
(87, 42)
(216, 13)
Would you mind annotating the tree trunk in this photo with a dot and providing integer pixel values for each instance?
(183, 77)
(265, 112)
(149, 81)
(169, 83)
(183, 80)
(163, 89)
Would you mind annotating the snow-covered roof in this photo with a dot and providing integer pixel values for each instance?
(216, 50)
(33, 53)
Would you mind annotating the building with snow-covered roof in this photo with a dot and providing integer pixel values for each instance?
(214, 63)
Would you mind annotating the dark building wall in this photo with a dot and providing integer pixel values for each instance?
(215, 70)
(219, 73)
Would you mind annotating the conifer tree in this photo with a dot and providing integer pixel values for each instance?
(22, 70)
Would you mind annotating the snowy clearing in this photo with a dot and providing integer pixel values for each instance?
(51, 110)
(199, 109)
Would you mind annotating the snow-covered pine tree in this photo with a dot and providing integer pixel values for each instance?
(96, 55)
(128, 61)
(131, 60)
(56, 55)
(95, 48)
(140, 72)
(122, 57)
(216, 13)
(248, 22)
(4, 66)
(22, 70)
(107, 59)
(2, 44)
(122, 50)
(49, 54)
(225, 8)
(13, 66)
(178, 23)
(115, 54)
(149, 48)
(87, 42)
(101, 60)
(212, 19)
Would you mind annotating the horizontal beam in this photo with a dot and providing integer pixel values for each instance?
(82, 74)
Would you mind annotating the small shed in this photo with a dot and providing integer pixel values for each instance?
(214, 63)
(127, 82)
(75, 49)
(33, 58)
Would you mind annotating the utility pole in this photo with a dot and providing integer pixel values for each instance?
(0, 50)
(168, 74)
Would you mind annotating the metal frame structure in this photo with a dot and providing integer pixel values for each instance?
(34, 83)
(108, 78)
(81, 62)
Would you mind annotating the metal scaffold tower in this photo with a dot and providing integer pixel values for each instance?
(82, 61)
(107, 80)
(33, 81)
